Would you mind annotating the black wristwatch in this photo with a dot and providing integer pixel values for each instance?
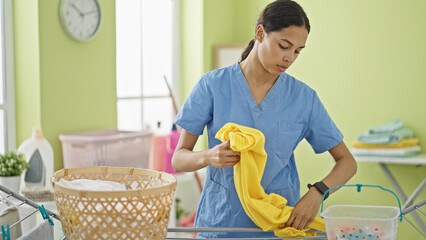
(322, 188)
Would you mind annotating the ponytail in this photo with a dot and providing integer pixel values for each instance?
(248, 49)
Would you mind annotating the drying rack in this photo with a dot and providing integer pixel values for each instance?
(170, 230)
(320, 235)
(46, 213)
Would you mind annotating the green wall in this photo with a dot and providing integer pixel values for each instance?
(62, 85)
(27, 67)
(192, 46)
(366, 61)
(191, 43)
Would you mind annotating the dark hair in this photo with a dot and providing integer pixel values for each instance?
(277, 15)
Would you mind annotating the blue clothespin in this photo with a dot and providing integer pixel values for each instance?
(45, 214)
(358, 187)
(5, 233)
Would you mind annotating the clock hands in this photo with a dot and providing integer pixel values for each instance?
(90, 12)
(82, 14)
(78, 10)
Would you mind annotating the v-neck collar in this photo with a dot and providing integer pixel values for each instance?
(266, 102)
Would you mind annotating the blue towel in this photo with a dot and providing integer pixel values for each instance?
(386, 127)
(385, 138)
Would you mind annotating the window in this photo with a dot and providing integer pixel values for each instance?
(147, 43)
(7, 97)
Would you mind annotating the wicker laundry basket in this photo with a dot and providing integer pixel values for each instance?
(142, 212)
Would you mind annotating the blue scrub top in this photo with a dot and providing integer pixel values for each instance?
(289, 112)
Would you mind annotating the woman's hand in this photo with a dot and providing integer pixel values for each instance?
(305, 210)
(221, 156)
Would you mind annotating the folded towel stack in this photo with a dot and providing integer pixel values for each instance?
(390, 139)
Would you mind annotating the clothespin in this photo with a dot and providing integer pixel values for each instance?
(358, 187)
(5, 233)
(45, 214)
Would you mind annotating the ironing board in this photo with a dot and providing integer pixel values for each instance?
(419, 160)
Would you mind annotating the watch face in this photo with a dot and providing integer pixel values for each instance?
(80, 18)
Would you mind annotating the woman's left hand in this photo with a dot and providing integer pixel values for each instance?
(305, 210)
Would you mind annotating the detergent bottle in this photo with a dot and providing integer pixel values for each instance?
(39, 155)
(170, 142)
(157, 154)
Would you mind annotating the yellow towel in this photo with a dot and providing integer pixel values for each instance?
(406, 142)
(268, 211)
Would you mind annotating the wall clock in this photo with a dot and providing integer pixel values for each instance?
(81, 19)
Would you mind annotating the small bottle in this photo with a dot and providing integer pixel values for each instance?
(157, 153)
(170, 142)
(39, 155)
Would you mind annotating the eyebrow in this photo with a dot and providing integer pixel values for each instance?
(285, 40)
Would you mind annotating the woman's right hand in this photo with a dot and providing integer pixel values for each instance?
(222, 156)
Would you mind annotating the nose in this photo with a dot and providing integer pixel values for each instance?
(290, 57)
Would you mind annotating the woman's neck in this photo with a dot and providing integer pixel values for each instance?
(254, 72)
(259, 80)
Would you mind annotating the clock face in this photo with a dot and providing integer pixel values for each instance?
(80, 18)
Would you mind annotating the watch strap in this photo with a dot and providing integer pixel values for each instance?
(321, 187)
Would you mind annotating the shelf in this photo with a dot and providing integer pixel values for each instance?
(419, 159)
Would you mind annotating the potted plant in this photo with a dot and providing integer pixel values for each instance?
(12, 165)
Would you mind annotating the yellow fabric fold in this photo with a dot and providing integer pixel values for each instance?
(268, 211)
(406, 142)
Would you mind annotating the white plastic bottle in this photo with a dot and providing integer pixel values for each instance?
(39, 155)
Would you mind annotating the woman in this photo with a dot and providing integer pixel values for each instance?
(257, 93)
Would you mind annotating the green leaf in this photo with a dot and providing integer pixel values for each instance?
(12, 164)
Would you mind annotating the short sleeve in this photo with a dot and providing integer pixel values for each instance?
(197, 110)
(322, 134)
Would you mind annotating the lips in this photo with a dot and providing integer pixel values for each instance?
(282, 68)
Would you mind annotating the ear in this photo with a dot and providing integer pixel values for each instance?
(260, 32)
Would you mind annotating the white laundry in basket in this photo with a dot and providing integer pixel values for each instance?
(93, 185)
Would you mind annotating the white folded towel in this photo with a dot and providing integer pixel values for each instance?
(386, 151)
(42, 231)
